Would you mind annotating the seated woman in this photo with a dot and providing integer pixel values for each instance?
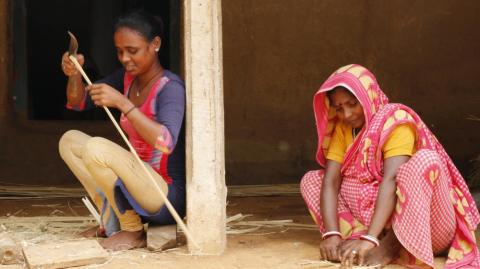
(388, 191)
(153, 107)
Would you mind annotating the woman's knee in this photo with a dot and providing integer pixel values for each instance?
(311, 179)
(421, 160)
(96, 148)
(425, 158)
(68, 138)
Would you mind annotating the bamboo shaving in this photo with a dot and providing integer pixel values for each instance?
(13, 219)
(473, 117)
(20, 192)
(264, 190)
(32, 230)
(323, 263)
(237, 217)
(238, 225)
(92, 210)
(242, 231)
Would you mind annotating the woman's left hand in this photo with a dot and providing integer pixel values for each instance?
(104, 95)
(353, 250)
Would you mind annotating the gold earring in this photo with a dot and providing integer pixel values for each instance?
(157, 49)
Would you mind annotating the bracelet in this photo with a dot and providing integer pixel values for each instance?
(328, 234)
(371, 239)
(130, 110)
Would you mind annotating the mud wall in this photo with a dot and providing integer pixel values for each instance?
(4, 58)
(276, 54)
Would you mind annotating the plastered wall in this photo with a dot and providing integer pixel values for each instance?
(276, 54)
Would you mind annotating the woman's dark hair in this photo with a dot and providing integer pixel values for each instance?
(139, 20)
(332, 91)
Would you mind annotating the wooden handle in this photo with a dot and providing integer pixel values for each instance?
(132, 150)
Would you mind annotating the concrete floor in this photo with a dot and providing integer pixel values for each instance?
(264, 248)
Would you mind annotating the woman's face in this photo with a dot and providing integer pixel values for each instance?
(134, 51)
(348, 108)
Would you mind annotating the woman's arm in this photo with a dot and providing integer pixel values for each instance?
(151, 131)
(396, 151)
(161, 133)
(329, 195)
(104, 95)
(329, 208)
(386, 197)
(384, 206)
(169, 114)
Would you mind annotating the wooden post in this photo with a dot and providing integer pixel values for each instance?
(206, 190)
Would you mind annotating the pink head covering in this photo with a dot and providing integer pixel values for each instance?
(363, 85)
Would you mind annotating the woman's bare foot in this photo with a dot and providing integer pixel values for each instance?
(93, 232)
(386, 252)
(124, 240)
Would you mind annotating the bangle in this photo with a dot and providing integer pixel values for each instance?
(331, 233)
(130, 110)
(371, 239)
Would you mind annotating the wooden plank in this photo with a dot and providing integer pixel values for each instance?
(64, 254)
(206, 190)
(161, 237)
(10, 251)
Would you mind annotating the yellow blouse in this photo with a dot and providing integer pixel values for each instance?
(401, 141)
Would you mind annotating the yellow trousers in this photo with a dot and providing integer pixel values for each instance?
(98, 163)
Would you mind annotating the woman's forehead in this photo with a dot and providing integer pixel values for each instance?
(128, 35)
(341, 95)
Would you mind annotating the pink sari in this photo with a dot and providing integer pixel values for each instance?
(435, 210)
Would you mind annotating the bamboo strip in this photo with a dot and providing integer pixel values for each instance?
(233, 222)
(323, 263)
(92, 210)
(263, 190)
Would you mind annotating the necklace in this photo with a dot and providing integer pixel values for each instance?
(140, 89)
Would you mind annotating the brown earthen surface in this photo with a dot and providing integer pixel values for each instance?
(264, 248)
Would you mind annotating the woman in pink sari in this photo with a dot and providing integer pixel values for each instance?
(388, 192)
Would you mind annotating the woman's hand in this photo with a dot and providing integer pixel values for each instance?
(329, 248)
(68, 67)
(104, 95)
(353, 250)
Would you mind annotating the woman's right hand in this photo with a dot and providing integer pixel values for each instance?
(329, 248)
(68, 67)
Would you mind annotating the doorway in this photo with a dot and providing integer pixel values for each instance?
(40, 38)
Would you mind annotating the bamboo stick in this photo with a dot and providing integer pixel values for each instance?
(92, 210)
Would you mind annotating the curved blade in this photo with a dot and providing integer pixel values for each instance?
(73, 47)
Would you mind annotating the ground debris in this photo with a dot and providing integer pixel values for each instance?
(10, 251)
(238, 225)
(263, 190)
(20, 192)
(32, 230)
(321, 264)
